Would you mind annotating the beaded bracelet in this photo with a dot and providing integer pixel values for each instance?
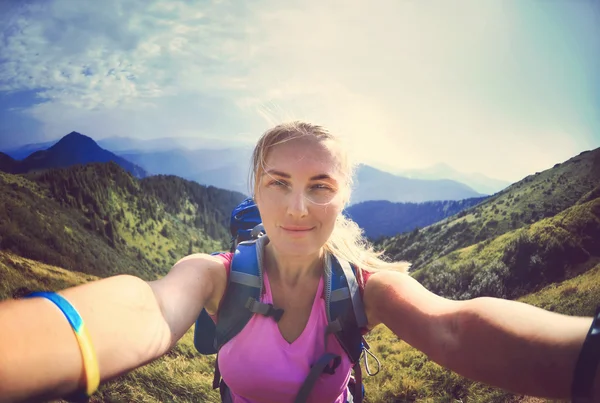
(90, 361)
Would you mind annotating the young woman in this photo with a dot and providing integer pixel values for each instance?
(301, 180)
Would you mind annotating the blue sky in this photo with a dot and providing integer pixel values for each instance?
(504, 88)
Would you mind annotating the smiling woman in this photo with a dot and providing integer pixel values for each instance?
(301, 339)
(302, 176)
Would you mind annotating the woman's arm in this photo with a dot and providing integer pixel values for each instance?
(507, 344)
(519, 347)
(131, 322)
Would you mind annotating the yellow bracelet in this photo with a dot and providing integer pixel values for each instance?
(90, 361)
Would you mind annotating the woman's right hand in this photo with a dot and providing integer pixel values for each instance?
(131, 322)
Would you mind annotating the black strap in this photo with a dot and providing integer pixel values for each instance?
(217, 374)
(587, 364)
(358, 386)
(264, 309)
(225, 393)
(315, 371)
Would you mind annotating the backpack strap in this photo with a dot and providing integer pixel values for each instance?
(344, 306)
(242, 295)
(315, 371)
(346, 317)
(242, 298)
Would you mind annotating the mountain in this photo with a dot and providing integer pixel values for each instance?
(373, 184)
(383, 218)
(8, 164)
(98, 219)
(22, 152)
(72, 149)
(229, 168)
(537, 231)
(225, 168)
(477, 181)
(135, 145)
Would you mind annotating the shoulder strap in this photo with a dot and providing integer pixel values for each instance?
(204, 332)
(345, 310)
(243, 292)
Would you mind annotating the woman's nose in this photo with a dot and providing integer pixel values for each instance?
(297, 204)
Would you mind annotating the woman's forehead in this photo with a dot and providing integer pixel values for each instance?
(305, 155)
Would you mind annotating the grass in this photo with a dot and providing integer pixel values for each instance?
(552, 249)
(578, 296)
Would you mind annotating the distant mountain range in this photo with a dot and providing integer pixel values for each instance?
(373, 184)
(22, 152)
(225, 168)
(228, 168)
(383, 218)
(72, 149)
(124, 145)
(129, 144)
(479, 182)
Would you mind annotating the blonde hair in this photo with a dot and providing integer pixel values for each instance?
(347, 240)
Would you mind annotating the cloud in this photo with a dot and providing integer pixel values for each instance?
(407, 83)
(89, 54)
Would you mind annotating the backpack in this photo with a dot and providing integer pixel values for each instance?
(241, 301)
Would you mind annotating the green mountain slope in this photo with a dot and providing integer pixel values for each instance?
(538, 196)
(98, 219)
(521, 261)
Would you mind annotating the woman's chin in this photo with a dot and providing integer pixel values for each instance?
(297, 247)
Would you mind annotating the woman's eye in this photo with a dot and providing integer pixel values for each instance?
(321, 186)
(279, 183)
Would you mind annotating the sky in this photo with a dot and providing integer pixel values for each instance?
(502, 88)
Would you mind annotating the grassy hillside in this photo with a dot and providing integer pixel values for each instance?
(536, 197)
(21, 276)
(519, 261)
(407, 375)
(35, 225)
(98, 219)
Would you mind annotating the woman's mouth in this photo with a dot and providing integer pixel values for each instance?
(295, 229)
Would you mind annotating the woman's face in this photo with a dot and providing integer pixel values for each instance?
(299, 195)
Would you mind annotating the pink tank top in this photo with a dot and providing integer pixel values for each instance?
(259, 365)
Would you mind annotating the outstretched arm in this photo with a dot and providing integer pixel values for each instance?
(519, 347)
(39, 354)
(507, 344)
(131, 322)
